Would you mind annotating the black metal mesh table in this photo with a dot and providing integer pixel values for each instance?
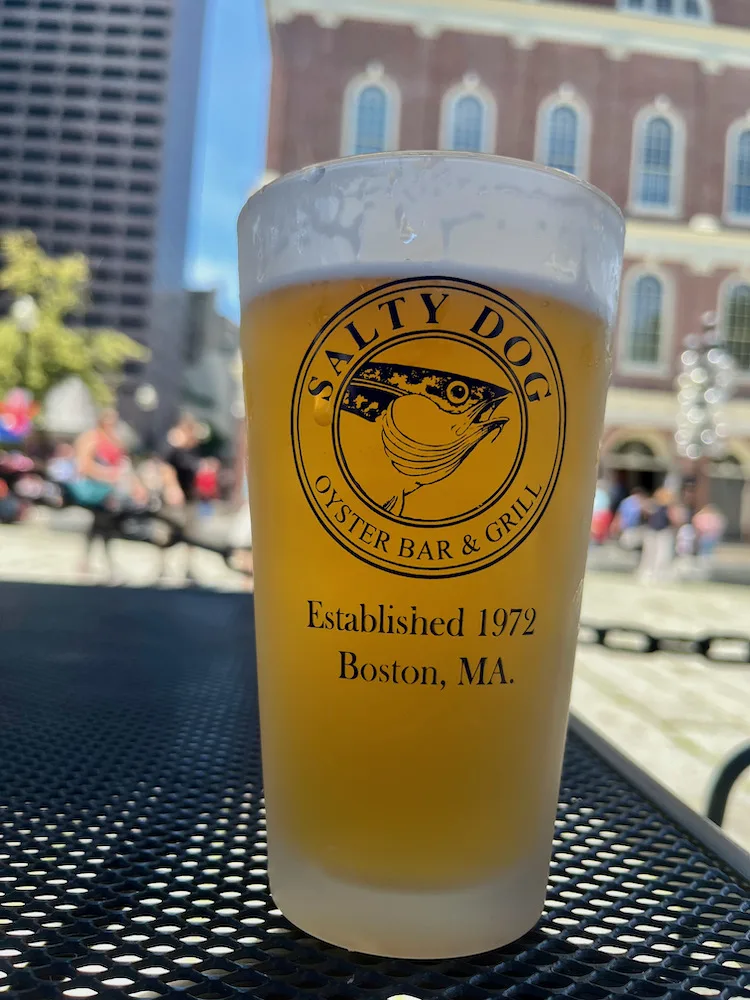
(132, 841)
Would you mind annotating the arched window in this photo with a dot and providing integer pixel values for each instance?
(738, 171)
(656, 156)
(468, 124)
(563, 130)
(562, 139)
(467, 117)
(737, 325)
(646, 320)
(371, 113)
(658, 160)
(371, 124)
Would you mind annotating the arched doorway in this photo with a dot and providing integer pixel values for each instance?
(631, 462)
(728, 489)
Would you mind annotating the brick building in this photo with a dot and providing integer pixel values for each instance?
(647, 99)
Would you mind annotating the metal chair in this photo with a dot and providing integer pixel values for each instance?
(724, 781)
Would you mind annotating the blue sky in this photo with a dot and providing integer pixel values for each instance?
(230, 141)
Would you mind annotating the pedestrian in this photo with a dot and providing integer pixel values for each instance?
(241, 529)
(151, 475)
(61, 467)
(601, 518)
(182, 462)
(663, 518)
(684, 546)
(26, 482)
(104, 484)
(709, 525)
(207, 485)
(630, 517)
(10, 505)
(617, 493)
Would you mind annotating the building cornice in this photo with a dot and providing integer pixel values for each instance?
(649, 408)
(700, 247)
(527, 22)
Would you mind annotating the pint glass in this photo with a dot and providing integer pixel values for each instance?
(426, 351)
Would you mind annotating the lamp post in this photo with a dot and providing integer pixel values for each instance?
(147, 400)
(704, 386)
(25, 314)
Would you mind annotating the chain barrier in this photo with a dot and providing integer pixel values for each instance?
(727, 648)
(153, 526)
(161, 531)
(148, 523)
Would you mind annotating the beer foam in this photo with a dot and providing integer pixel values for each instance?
(500, 222)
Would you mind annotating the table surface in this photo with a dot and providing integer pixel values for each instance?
(133, 852)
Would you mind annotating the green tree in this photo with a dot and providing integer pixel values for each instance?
(37, 359)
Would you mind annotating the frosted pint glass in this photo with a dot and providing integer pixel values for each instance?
(426, 349)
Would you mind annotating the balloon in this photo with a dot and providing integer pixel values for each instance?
(17, 412)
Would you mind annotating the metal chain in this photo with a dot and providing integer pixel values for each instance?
(161, 531)
(158, 529)
(730, 649)
(138, 524)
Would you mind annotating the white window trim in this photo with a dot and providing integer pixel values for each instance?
(730, 171)
(663, 366)
(649, 10)
(661, 108)
(565, 96)
(374, 75)
(470, 86)
(741, 377)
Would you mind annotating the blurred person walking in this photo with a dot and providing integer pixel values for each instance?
(629, 519)
(151, 474)
(663, 519)
(103, 483)
(684, 547)
(618, 491)
(207, 485)
(240, 538)
(61, 467)
(181, 464)
(601, 517)
(10, 505)
(709, 524)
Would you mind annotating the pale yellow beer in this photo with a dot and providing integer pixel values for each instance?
(423, 449)
(446, 790)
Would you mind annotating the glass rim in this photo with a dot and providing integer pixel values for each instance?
(295, 176)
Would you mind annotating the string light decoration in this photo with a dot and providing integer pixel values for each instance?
(704, 386)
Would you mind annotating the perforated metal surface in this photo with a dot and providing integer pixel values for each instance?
(132, 845)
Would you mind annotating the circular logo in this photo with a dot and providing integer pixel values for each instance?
(428, 426)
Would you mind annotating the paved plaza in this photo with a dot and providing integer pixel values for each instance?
(676, 716)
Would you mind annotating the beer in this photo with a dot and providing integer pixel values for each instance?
(423, 450)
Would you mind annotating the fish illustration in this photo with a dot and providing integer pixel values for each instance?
(431, 420)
